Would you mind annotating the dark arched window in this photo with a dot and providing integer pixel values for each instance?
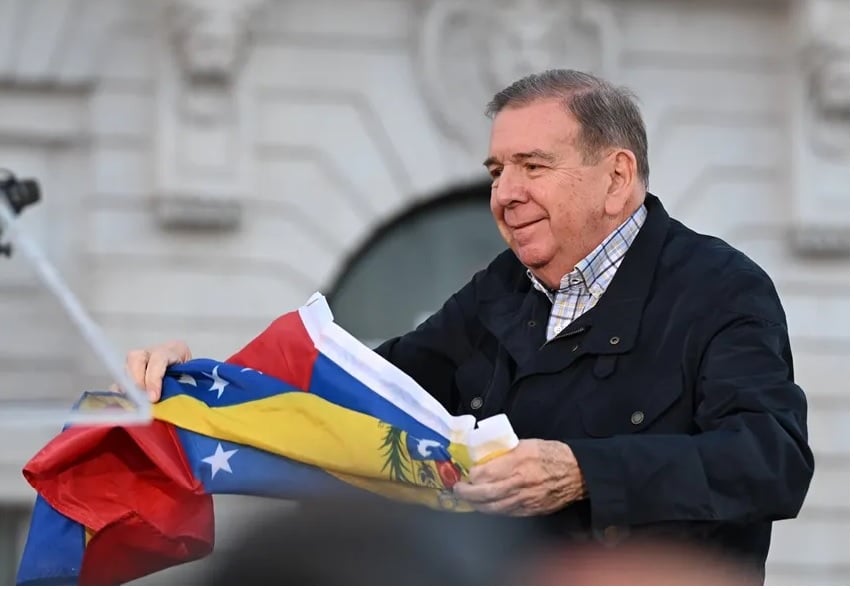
(412, 264)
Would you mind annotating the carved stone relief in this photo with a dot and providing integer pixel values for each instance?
(821, 130)
(827, 79)
(469, 49)
(203, 150)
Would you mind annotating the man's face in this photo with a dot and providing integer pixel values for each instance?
(549, 206)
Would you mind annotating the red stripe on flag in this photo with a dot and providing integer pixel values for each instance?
(283, 350)
(133, 488)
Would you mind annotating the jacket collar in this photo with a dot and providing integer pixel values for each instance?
(517, 316)
(615, 320)
(596, 269)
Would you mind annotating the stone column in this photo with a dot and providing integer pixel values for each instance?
(820, 173)
(202, 151)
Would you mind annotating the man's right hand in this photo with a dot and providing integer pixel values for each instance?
(147, 367)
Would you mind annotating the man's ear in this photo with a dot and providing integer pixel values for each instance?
(622, 170)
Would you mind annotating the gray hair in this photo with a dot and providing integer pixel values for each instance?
(608, 115)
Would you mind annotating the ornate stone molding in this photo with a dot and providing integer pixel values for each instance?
(203, 152)
(821, 129)
(821, 241)
(469, 49)
(57, 44)
(827, 79)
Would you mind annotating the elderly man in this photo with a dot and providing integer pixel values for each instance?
(646, 368)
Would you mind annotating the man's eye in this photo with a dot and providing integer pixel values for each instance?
(494, 173)
(532, 167)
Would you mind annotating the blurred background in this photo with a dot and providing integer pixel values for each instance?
(207, 165)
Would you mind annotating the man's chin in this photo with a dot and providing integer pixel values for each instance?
(531, 259)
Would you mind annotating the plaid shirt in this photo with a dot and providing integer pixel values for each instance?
(581, 289)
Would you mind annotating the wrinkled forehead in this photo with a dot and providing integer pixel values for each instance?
(543, 125)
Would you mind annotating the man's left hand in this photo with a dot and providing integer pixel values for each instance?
(535, 478)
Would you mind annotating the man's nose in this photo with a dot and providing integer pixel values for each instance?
(509, 188)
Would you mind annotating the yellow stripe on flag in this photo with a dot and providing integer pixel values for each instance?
(300, 426)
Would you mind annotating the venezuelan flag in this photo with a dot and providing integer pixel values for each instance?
(303, 410)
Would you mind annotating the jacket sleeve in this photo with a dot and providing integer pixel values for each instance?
(750, 460)
(431, 353)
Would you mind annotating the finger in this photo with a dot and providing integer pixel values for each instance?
(180, 350)
(497, 469)
(513, 505)
(156, 370)
(135, 365)
(483, 493)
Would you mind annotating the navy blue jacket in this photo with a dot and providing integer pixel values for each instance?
(675, 392)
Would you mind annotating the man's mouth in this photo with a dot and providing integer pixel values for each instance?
(518, 226)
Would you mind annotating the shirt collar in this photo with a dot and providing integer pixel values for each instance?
(595, 265)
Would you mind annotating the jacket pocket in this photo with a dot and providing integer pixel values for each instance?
(634, 408)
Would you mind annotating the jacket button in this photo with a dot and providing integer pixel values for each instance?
(476, 403)
(614, 340)
(532, 323)
(637, 417)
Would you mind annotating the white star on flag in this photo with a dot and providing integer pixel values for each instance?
(219, 460)
(219, 384)
(187, 379)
